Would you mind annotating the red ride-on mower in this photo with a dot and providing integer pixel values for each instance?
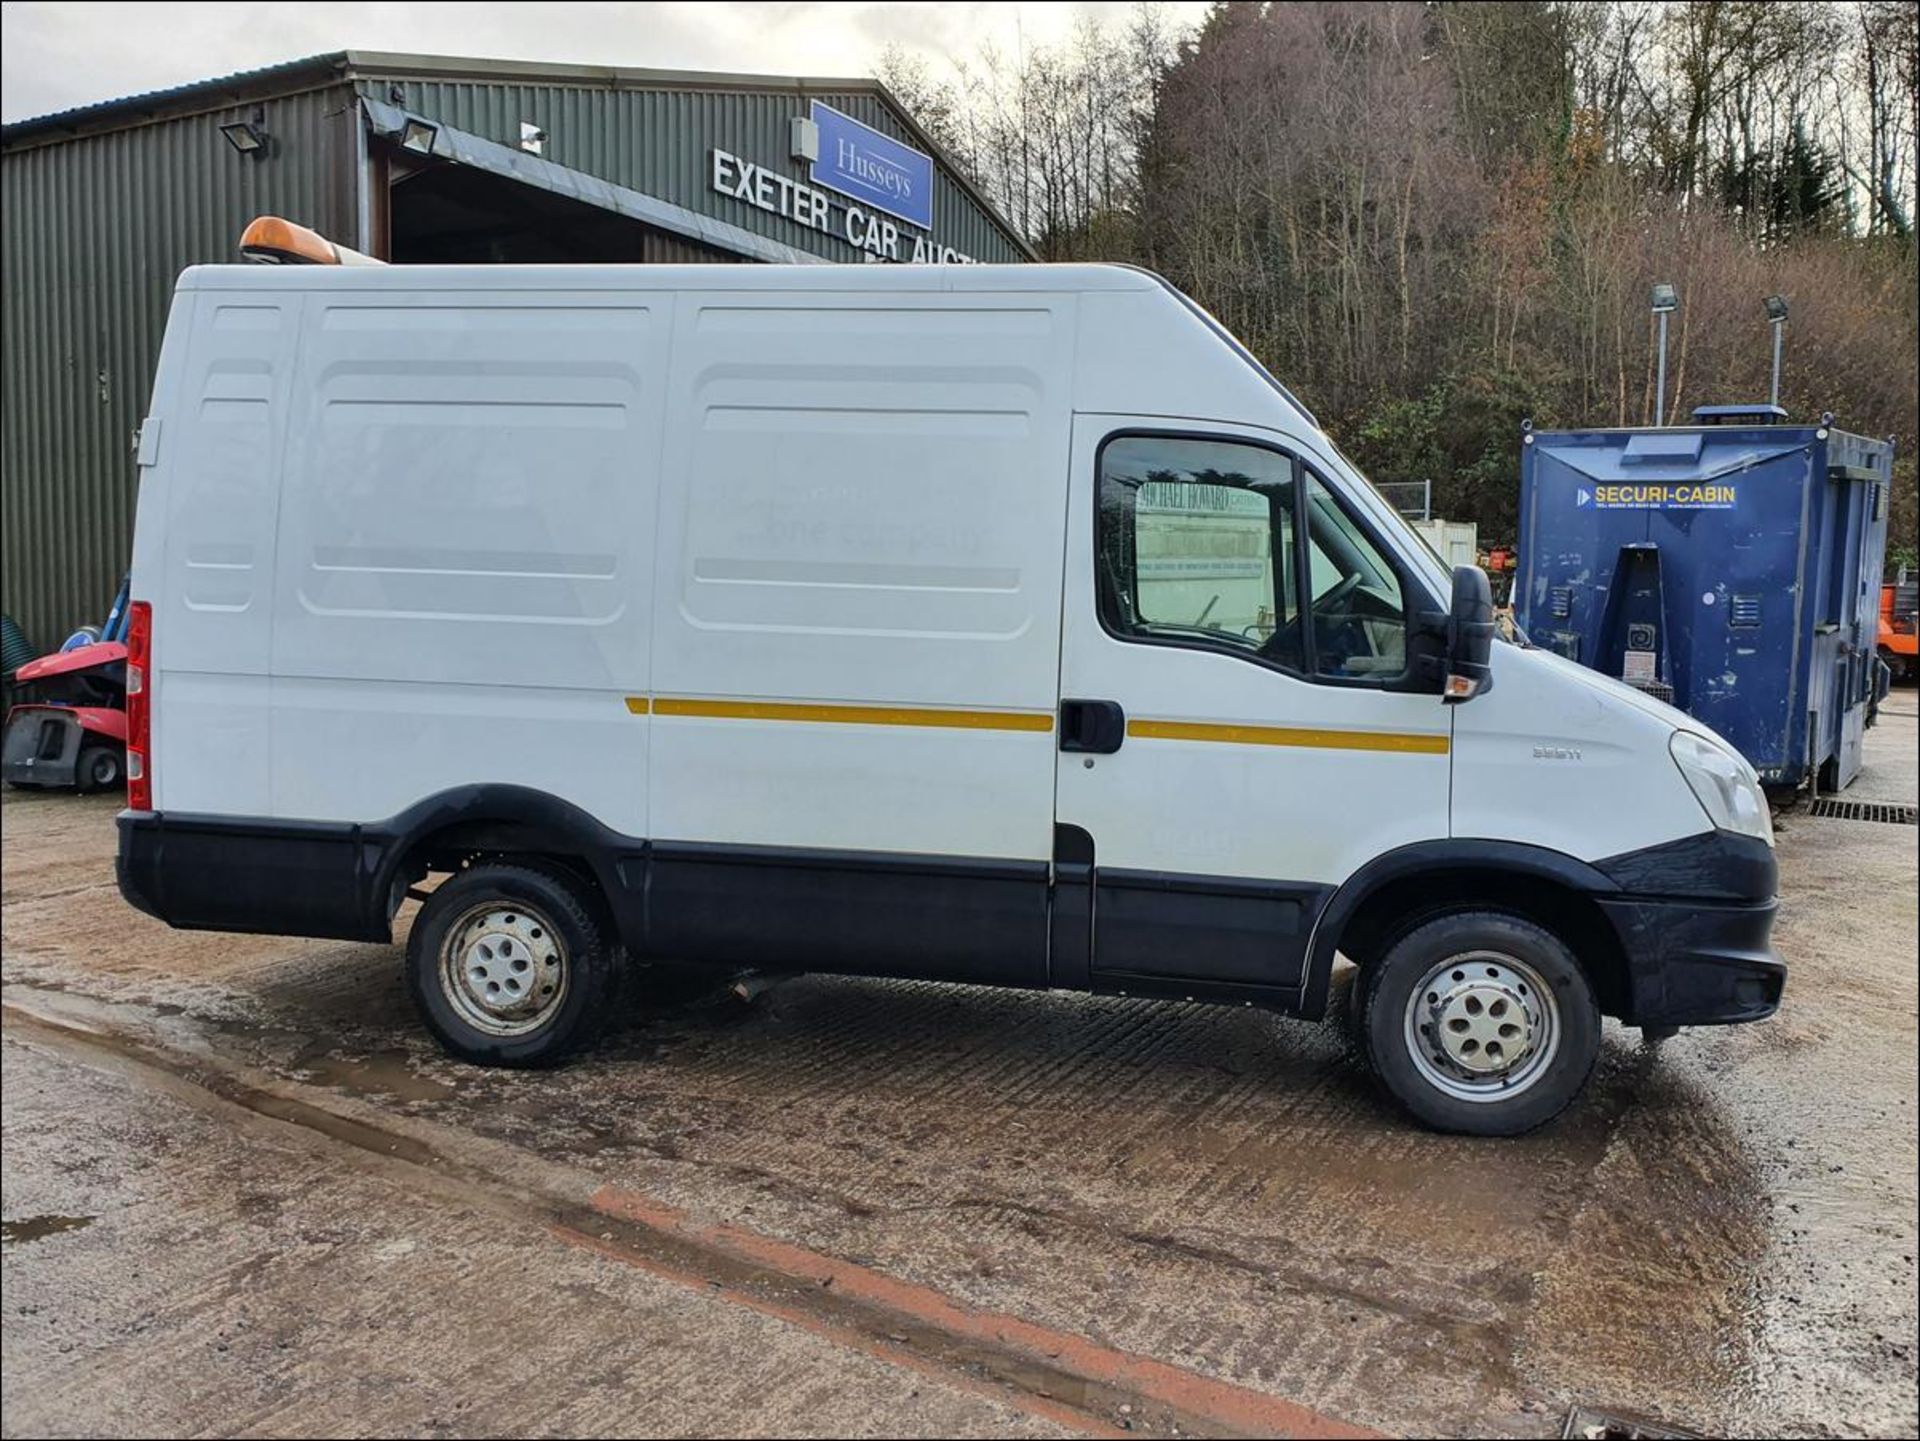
(71, 733)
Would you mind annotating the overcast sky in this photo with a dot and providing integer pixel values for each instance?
(56, 56)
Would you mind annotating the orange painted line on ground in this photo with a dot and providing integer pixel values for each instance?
(1047, 1409)
(1233, 1408)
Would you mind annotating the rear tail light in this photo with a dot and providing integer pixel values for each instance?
(139, 706)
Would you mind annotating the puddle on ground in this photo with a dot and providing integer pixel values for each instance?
(36, 1228)
(383, 1073)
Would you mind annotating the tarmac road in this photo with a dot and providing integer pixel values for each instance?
(244, 1193)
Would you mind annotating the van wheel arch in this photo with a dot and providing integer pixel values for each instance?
(472, 824)
(1397, 894)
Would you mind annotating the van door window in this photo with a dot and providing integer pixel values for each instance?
(1196, 545)
(1357, 604)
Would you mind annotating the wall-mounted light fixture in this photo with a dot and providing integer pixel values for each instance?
(249, 137)
(533, 139)
(418, 137)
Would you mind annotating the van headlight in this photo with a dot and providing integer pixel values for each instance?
(1726, 787)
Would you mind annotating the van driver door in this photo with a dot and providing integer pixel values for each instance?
(1239, 729)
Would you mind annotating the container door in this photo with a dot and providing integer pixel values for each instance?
(1232, 745)
(1860, 618)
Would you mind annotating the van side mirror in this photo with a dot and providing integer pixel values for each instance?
(1469, 636)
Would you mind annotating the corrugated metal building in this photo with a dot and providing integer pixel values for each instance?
(412, 159)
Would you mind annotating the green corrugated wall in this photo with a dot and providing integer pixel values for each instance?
(93, 233)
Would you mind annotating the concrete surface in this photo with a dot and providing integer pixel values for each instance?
(227, 1277)
(1721, 1235)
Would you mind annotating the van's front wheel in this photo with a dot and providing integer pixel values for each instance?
(1480, 1023)
(510, 965)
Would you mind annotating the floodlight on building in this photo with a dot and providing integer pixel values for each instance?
(249, 137)
(418, 137)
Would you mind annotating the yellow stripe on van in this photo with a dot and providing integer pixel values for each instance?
(871, 715)
(638, 704)
(1405, 742)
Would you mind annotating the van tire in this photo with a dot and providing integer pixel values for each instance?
(515, 924)
(1484, 956)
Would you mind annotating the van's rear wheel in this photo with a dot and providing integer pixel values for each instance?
(511, 965)
(1480, 1023)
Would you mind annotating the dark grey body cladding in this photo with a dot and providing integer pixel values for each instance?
(1224, 929)
(935, 917)
(1695, 945)
(993, 922)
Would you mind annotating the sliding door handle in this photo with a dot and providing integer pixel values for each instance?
(1093, 726)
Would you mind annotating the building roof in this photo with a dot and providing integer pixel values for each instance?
(196, 95)
(343, 66)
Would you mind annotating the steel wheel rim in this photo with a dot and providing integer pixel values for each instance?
(1482, 1026)
(503, 968)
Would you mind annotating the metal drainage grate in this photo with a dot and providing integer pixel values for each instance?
(1586, 1424)
(1865, 811)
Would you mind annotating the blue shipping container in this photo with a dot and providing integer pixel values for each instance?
(1731, 568)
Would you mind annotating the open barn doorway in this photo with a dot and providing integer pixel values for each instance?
(446, 213)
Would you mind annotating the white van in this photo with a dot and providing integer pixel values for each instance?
(1005, 625)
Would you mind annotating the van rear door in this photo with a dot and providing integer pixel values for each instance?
(1233, 746)
(204, 549)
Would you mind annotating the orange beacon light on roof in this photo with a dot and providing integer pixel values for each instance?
(269, 240)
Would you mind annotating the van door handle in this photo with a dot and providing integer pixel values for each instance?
(1094, 726)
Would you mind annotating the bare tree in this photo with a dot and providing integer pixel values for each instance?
(1436, 218)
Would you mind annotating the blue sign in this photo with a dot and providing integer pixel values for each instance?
(1657, 495)
(875, 169)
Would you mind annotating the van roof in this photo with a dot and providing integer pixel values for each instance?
(872, 279)
(869, 279)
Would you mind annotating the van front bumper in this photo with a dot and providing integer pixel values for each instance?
(1697, 964)
(1695, 921)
